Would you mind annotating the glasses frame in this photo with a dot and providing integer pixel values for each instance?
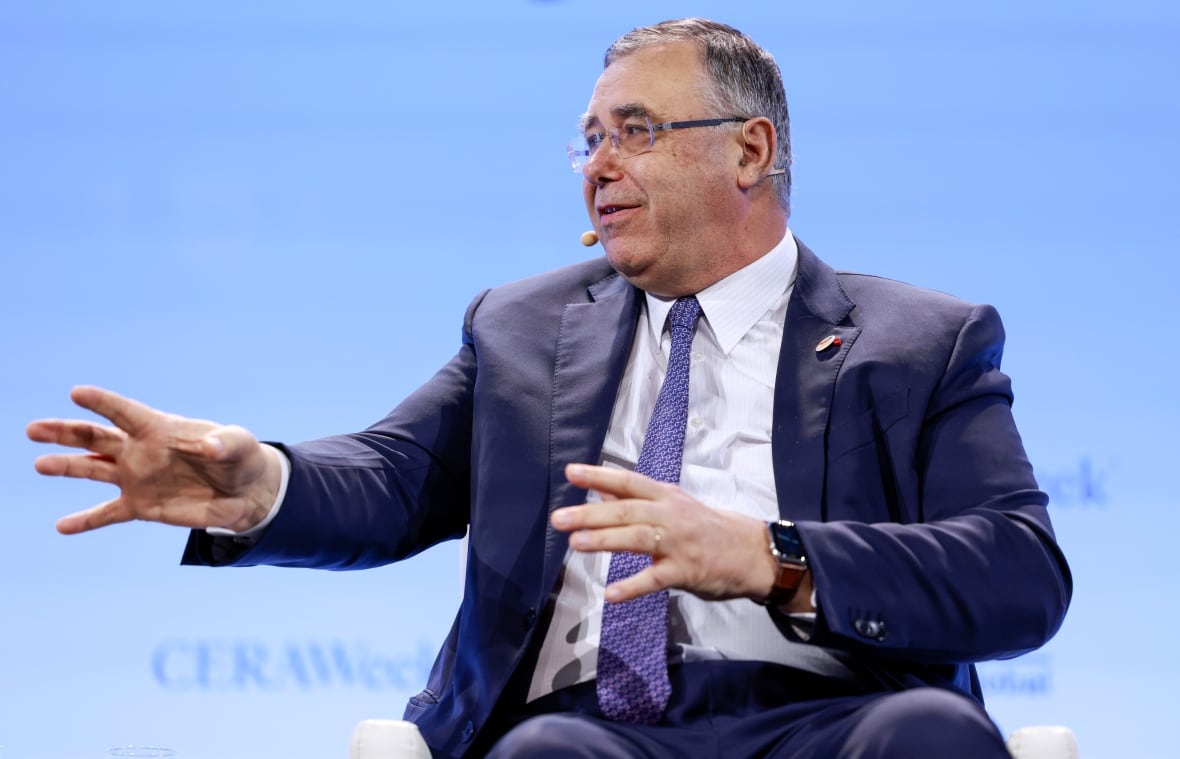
(578, 158)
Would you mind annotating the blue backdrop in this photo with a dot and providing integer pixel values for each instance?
(274, 214)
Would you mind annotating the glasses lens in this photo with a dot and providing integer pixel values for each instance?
(578, 152)
(635, 137)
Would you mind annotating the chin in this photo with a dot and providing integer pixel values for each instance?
(624, 258)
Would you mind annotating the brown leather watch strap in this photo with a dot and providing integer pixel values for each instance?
(786, 583)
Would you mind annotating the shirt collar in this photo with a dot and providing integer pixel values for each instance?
(735, 304)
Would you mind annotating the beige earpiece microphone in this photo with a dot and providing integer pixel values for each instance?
(589, 237)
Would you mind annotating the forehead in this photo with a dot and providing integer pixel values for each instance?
(662, 81)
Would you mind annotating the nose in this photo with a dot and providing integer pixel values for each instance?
(603, 165)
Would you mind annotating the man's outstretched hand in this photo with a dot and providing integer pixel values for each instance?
(170, 469)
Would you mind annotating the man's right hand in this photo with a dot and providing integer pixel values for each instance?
(170, 469)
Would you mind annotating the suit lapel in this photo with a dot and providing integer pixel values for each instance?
(593, 344)
(805, 384)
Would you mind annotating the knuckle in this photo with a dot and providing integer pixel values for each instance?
(85, 435)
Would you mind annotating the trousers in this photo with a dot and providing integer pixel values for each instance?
(737, 710)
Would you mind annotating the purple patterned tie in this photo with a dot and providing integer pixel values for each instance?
(633, 651)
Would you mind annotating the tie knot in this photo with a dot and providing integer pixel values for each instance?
(684, 313)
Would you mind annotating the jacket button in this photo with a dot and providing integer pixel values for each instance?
(468, 731)
(870, 628)
(530, 618)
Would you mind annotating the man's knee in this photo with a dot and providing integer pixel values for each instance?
(557, 735)
(924, 722)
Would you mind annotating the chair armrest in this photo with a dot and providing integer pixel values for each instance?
(387, 739)
(1043, 742)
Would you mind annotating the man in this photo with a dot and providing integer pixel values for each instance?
(822, 467)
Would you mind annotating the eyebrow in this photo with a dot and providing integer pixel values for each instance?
(622, 111)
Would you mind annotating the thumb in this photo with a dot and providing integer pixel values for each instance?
(227, 443)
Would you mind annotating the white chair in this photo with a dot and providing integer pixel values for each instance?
(387, 739)
(398, 739)
(1043, 742)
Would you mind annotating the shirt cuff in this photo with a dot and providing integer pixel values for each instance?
(803, 622)
(285, 477)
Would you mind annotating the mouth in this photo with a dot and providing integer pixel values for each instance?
(613, 210)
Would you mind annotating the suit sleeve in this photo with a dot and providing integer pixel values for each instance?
(372, 497)
(971, 569)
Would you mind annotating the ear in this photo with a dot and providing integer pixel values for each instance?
(759, 143)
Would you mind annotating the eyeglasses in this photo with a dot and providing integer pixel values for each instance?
(632, 138)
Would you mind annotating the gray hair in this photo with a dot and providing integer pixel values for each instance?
(745, 80)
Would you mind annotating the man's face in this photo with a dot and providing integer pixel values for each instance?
(663, 216)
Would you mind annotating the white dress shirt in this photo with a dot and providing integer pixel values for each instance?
(726, 465)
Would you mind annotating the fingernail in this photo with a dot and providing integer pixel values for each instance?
(214, 445)
(577, 470)
(561, 518)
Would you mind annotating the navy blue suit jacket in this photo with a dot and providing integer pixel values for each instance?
(895, 453)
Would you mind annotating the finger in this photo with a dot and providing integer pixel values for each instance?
(77, 433)
(637, 538)
(111, 512)
(618, 482)
(650, 580)
(129, 415)
(85, 467)
(235, 442)
(613, 513)
(226, 443)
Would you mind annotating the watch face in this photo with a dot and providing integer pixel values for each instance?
(786, 541)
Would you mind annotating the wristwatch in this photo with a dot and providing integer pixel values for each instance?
(787, 550)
